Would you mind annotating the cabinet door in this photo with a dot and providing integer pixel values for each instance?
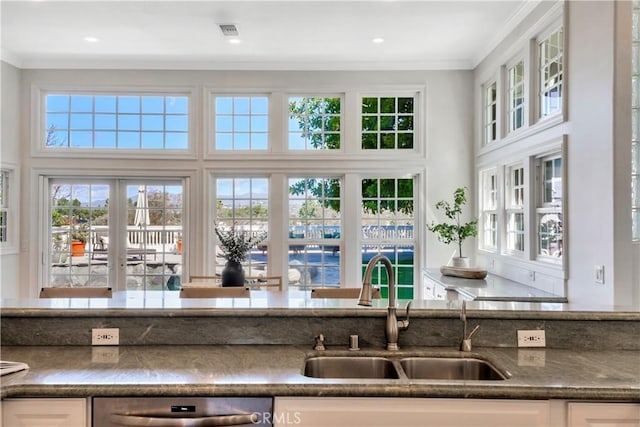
(585, 414)
(44, 413)
(371, 412)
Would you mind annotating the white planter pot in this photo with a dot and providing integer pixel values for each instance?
(459, 262)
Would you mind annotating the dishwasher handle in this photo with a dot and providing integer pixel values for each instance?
(217, 420)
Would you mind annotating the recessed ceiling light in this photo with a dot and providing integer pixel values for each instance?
(377, 40)
(235, 41)
(91, 39)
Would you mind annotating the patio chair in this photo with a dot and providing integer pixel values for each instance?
(269, 282)
(341, 293)
(76, 292)
(214, 292)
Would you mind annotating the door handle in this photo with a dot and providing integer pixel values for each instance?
(218, 420)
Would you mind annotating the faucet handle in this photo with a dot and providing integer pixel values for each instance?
(404, 324)
(319, 343)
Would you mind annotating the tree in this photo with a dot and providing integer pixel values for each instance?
(456, 232)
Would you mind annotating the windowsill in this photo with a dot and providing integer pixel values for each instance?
(521, 134)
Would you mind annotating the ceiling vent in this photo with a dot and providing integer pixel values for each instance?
(229, 30)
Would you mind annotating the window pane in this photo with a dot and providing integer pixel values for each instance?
(387, 123)
(515, 92)
(238, 124)
(314, 123)
(243, 204)
(78, 121)
(315, 226)
(550, 73)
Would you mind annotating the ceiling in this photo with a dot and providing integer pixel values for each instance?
(293, 34)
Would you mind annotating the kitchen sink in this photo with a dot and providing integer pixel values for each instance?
(350, 367)
(449, 368)
(413, 368)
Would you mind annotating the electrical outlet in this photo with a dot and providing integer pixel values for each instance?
(600, 274)
(105, 336)
(532, 276)
(533, 338)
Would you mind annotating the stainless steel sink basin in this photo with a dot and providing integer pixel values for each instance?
(350, 367)
(448, 368)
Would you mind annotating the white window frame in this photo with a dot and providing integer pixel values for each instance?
(417, 124)
(513, 208)
(635, 131)
(543, 207)
(11, 189)
(489, 190)
(490, 114)
(39, 116)
(306, 150)
(539, 83)
(212, 120)
(509, 90)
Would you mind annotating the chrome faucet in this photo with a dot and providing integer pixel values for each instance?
(393, 325)
(465, 344)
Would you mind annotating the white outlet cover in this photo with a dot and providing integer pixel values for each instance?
(531, 338)
(105, 336)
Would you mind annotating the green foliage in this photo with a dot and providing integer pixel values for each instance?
(325, 190)
(236, 244)
(319, 121)
(80, 233)
(454, 232)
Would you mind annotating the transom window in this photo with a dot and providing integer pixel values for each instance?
(388, 123)
(314, 123)
(490, 113)
(388, 223)
(515, 209)
(515, 95)
(117, 122)
(315, 231)
(241, 122)
(551, 73)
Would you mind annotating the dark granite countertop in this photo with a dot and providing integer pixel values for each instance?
(276, 370)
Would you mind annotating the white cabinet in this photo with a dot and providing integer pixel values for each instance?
(371, 412)
(44, 413)
(587, 414)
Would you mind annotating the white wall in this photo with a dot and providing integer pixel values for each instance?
(10, 155)
(449, 96)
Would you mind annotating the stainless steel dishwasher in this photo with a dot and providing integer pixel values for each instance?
(182, 411)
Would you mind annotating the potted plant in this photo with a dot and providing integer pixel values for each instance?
(235, 245)
(79, 237)
(457, 231)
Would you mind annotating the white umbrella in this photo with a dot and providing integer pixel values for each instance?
(141, 218)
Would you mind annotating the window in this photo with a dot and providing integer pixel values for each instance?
(550, 51)
(84, 243)
(515, 218)
(490, 113)
(549, 217)
(635, 124)
(388, 223)
(4, 206)
(241, 122)
(489, 209)
(315, 231)
(243, 204)
(314, 123)
(116, 122)
(515, 96)
(388, 123)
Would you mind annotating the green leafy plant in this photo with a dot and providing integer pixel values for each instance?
(236, 244)
(454, 232)
(80, 233)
